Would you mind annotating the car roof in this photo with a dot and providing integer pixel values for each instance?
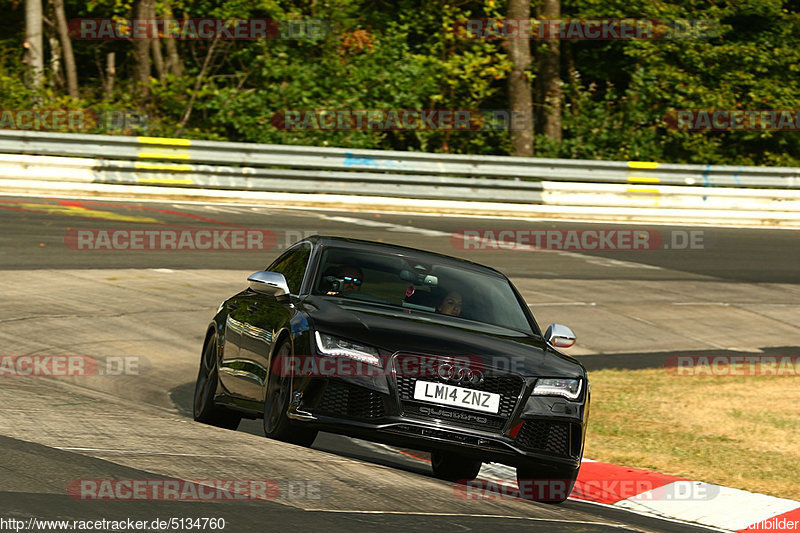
(367, 246)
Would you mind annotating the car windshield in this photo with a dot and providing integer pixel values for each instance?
(420, 283)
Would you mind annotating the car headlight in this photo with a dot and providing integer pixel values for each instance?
(336, 347)
(568, 388)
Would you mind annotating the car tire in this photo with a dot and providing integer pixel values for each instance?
(454, 467)
(277, 424)
(204, 408)
(545, 485)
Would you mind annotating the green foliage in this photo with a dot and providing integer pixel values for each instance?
(405, 54)
(750, 63)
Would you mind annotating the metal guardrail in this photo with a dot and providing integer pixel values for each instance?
(119, 172)
(375, 166)
(44, 163)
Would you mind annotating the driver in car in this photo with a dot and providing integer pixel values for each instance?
(451, 304)
(343, 279)
(351, 278)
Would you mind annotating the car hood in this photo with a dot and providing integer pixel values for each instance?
(395, 330)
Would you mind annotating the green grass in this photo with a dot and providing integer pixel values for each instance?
(742, 432)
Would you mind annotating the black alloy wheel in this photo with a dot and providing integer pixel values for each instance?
(277, 424)
(205, 410)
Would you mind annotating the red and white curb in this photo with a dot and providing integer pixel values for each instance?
(653, 494)
(686, 500)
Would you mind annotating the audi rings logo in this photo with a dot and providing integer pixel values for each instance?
(459, 374)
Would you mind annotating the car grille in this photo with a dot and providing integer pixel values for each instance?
(552, 437)
(508, 386)
(444, 435)
(460, 417)
(343, 399)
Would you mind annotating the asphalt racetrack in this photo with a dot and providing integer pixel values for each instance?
(731, 291)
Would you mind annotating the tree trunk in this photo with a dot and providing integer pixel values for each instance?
(141, 51)
(520, 93)
(158, 60)
(173, 64)
(549, 83)
(34, 47)
(70, 69)
(158, 57)
(56, 81)
(111, 73)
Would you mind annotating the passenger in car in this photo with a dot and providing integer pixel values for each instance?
(451, 304)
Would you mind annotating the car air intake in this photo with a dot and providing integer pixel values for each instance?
(552, 437)
(343, 399)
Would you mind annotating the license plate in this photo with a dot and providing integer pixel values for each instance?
(457, 396)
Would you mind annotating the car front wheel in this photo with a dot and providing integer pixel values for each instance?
(277, 424)
(205, 410)
(552, 485)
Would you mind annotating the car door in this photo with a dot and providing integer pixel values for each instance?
(264, 318)
(236, 373)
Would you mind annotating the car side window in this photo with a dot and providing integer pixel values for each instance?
(293, 266)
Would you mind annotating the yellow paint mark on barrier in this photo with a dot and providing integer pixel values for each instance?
(165, 154)
(642, 191)
(162, 166)
(168, 181)
(644, 165)
(164, 140)
(164, 148)
(643, 179)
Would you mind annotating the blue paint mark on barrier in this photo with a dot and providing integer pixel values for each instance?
(705, 175)
(705, 178)
(736, 176)
(351, 160)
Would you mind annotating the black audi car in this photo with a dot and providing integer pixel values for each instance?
(400, 346)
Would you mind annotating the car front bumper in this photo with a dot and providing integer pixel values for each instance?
(528, 430)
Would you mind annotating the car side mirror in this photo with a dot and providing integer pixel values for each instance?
(559, 336)
(269, 283)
